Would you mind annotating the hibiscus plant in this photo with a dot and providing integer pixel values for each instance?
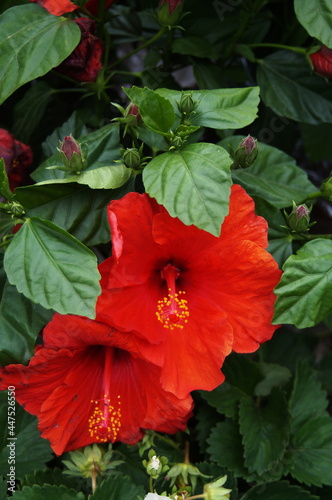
(166, 249)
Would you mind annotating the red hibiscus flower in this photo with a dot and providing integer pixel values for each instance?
(17, 157)
(84, 63)
(56, 7)
(322, 61)
(92, 6)
(88, 384)
(193, 295)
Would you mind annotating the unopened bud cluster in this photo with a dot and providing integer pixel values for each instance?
(246, 153)
(155, 465)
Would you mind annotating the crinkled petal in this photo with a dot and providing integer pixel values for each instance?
(57, 7)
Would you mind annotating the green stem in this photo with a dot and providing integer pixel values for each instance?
(167, 440)
(145, 44)
(58, 91)
(299, 50)
(196, 496)
(313, 196)
(151, 484)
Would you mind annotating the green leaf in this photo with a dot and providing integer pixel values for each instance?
(7, 223)
(316, 17)
(265, 431)
(193, 184)
(311, 450)
(304, 294)
(20, 322)
(45, 263)
(156, 111)
(225, 399)
(103, 147)
(278, 490)
(194, 46)
(48, 491)
(31, 451)
(220, 108)
(290, 89)
(29, 111)
(308, 400)
(27, 32)
(226, 449)
(274, 176)
(4, 184)
(78, 209)
(116, 487)
(275, 376)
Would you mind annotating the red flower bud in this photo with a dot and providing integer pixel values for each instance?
(322, 61)
(169, 13)
(17, 157)
(70, 146)
(172, 4)
(84, 63)
(56, 7)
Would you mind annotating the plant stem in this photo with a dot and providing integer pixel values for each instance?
(313, 196)
(309, 237)
(299, 50)
(94, 480)
(145, 44)
(151, 484)
(196, 496)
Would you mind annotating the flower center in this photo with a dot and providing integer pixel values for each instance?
(172, 310)
(105, 421)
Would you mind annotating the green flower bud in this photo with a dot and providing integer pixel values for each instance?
(169, 13)
(131, 158)
(299, 219)
(14, 208)
(155, 465)
(246, 153)
(90, 461)
(326, 188)
(187, 104)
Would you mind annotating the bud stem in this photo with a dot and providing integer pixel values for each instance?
(311, 236)
(299, 50)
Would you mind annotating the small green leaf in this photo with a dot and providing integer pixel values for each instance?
(4, 184)
(116, 488)
(193, 184)
(265, 430)
(304, 294)
(274, 176)
(156, 111)
(290, 89)
(30, 450)
(308, 400)
(316, 17)
(220, 108)
(45, 263)
(26, 34)
(278, 490)
(275, 376)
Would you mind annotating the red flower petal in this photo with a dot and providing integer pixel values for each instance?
(56, 7)
(322, 61)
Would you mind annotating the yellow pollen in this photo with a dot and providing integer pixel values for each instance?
(172, 311)
(105, 420)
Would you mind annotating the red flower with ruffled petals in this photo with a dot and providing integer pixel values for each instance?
(322, 61)
(189, 296)
(17, 157)
(84, 63)
(88, 383)
(56, 7)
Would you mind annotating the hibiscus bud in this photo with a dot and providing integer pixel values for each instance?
(215, 490)
(132, 158)
(71, 155)
(14, 208)
(246, 153)
(155, 465)
(187, 104)
(322, 61)
(169, 13)
(299, 219)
